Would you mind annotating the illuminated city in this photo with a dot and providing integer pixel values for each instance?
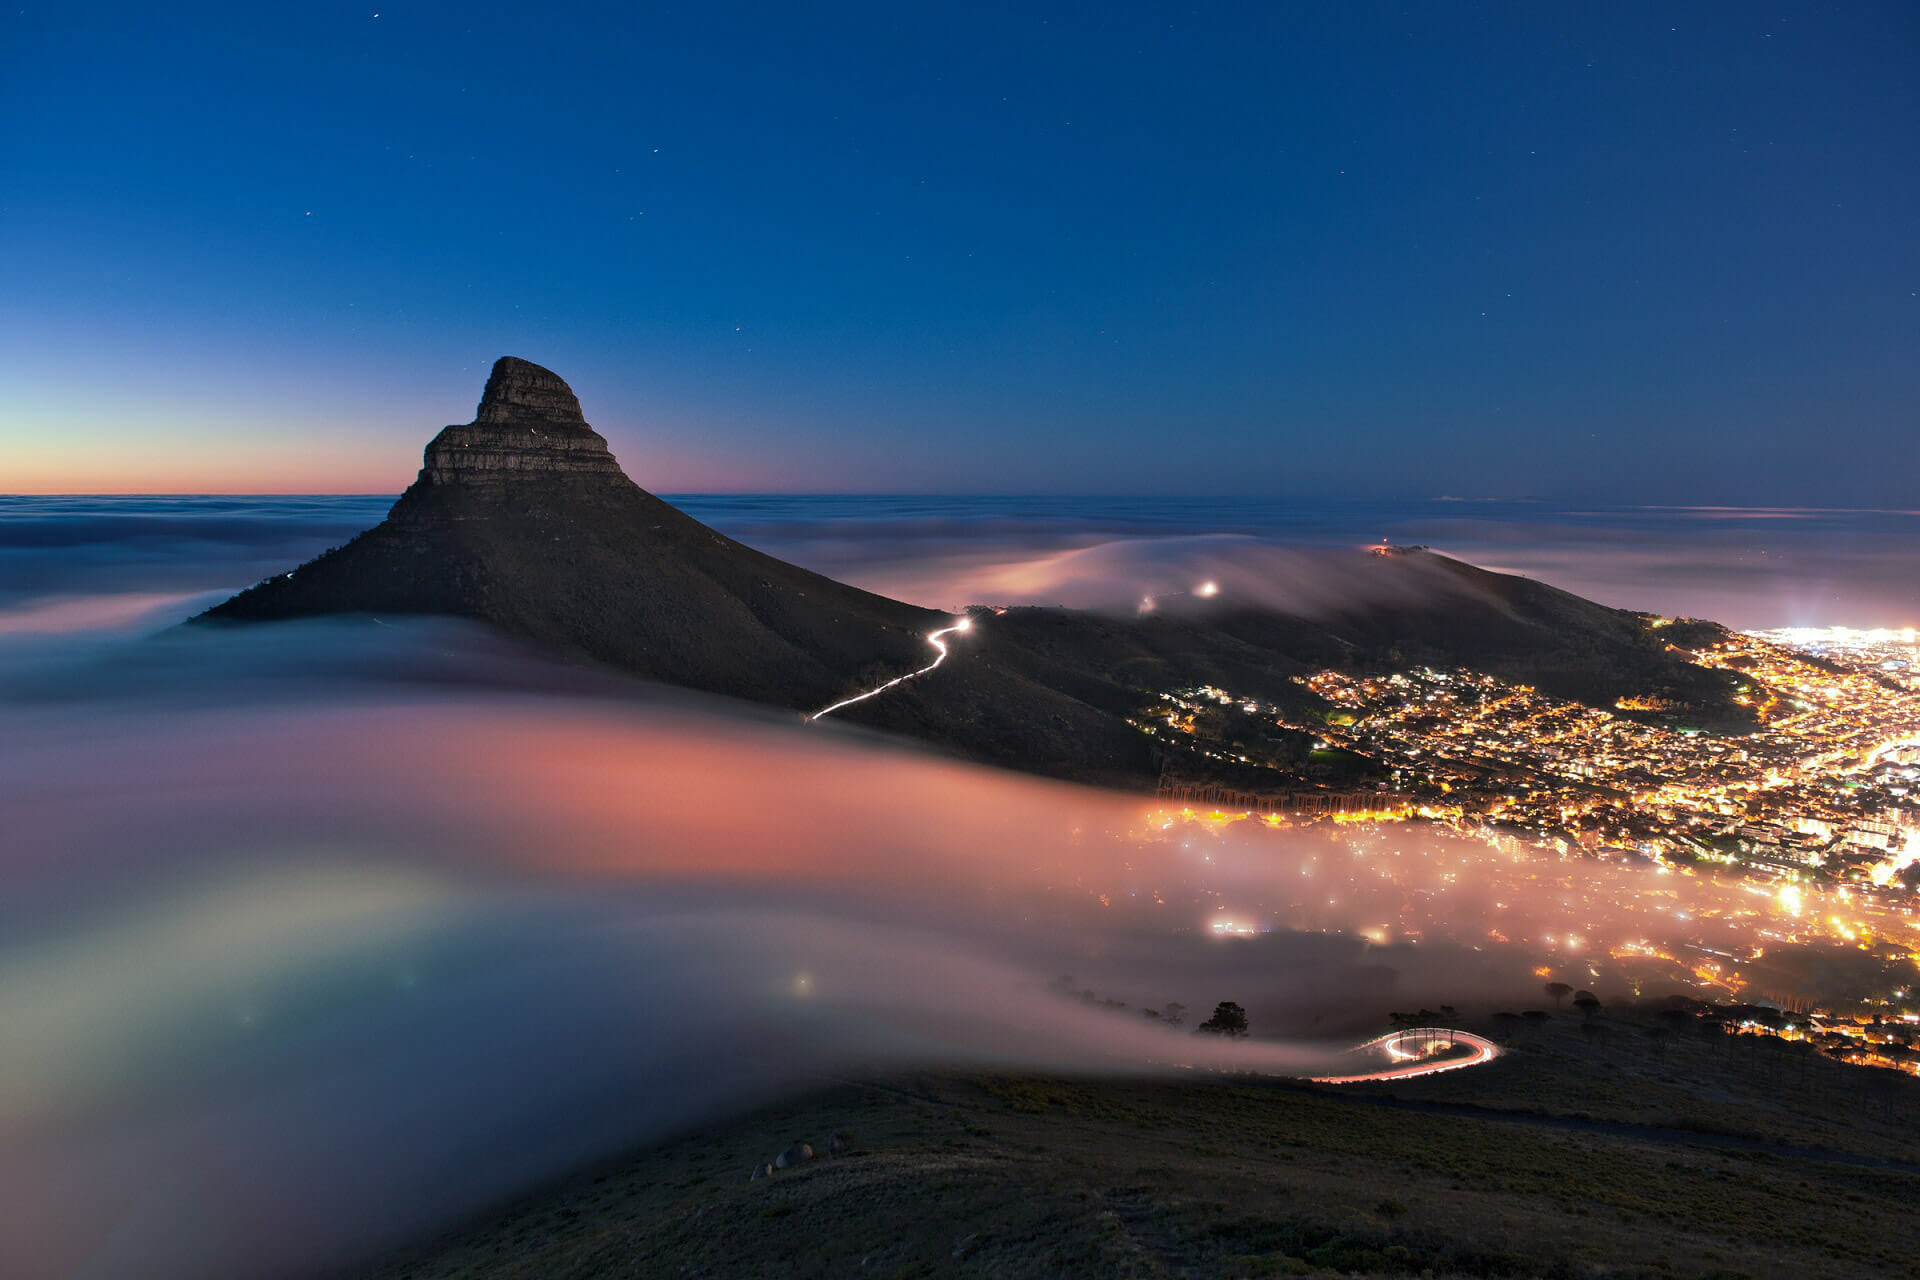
(1682, 857)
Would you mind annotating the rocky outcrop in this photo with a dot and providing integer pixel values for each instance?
(529, 424)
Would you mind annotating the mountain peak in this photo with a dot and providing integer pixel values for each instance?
(528, 425)
(521, 391)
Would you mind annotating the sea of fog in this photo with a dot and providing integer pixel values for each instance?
(1749, 567)
(318, 935)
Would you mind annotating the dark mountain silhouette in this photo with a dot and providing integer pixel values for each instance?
(523, 519)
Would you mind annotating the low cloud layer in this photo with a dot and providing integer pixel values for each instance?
(313, 936)
(291, 941)
(1747, 567)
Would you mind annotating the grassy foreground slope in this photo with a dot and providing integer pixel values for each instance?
(1576, 1155)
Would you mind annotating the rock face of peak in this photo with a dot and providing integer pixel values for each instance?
(521, 391)
(529, 424)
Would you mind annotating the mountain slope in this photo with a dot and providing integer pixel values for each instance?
(523, 519)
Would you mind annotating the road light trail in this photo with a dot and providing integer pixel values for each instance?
(940, 647)
(1413, 1051)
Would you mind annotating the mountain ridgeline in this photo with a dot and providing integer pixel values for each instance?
(522, 519)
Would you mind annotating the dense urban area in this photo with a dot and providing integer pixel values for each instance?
(1716, 855)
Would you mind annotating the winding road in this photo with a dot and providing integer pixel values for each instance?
(939, 646)
(1411, 1053)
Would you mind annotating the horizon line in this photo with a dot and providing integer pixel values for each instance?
(1212, 495)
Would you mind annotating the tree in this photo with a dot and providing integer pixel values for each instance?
(1587, 1003)
(1559, 991)
(1176, 1013)
(1228, 1019)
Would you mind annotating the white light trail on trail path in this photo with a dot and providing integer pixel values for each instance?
(1413, 1052)
(933, 638)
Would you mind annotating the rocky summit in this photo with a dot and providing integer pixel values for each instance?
(523, 520)
(528, 423)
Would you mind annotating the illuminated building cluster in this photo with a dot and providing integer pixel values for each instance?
(1712, 849)
(1825, 790)
(1867, 1036)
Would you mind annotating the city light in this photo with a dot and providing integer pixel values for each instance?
(1719, 846)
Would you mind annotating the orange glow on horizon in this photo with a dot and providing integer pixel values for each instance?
(331, 473)
(176, 477)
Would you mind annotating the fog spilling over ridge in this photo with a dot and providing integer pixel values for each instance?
(1747, 567)
(294, 914)
(296, 918)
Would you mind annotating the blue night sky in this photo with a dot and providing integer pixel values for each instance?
(1627, 252)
